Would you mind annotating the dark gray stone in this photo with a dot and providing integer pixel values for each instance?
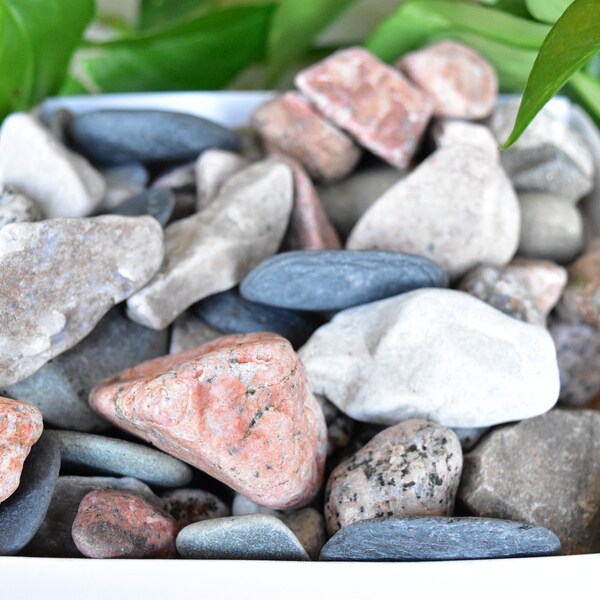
(112, 456)
(230, 313)
(155, 202)
(61, 387)
(125, 136)
(23, 512)
(438, 538)
(338, 279)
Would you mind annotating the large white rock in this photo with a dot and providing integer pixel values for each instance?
(216, 248)
(457, 208)
(212, 169)
(63, 183)
(434, 354)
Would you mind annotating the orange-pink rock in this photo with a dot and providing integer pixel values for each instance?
(238, 408)
(20, 427)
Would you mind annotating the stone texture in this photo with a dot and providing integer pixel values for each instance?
(469, 437)
(410, 469)
(252, 537)
(189, 506)
(456, 208)
(438, 538)
(212, 169)
(460, 81)
(59, 278)
(454, 132)
(118, 524)
(20, 428)
(123, 182)
(290, 125)
(340, 428)
(16, 207)
(238, 408)
(334, 280)
(544, 472)
(370, 100)
(155, 202)
(62, 183)
(189, 331)
(126, 136)
(213, 250)
(436, 354)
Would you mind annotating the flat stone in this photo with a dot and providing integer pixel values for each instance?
(189, 331)
(125, 136)
(60, 389)
(155, 202)
(122, 183)
(214, 249)
(290, 125)
(373, 102)
(541, 472)
(460, 81)
(252, 537)
(20, 428)
(49, 299)
(456, 208)
(22, 514)
(118, 524)
(454, 132)
(62, 183)
(112, 456)
(212, 169)
(438, 538)
(408, 470)
(436, 354)
(330, 280)
(189, 506)
(230, 313)
(16, 207)
(219, 408)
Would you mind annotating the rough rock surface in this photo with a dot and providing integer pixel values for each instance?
(16, 207)
(454, 132)
(212, 169)
(189, 506)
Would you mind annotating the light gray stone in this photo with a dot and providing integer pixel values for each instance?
(16, 207)
(454, 132)
(189, 331)
(213, 168)
(123, 182)
(469, 436)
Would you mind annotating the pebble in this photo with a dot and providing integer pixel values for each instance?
(469, 437)
(335, 280)
(22, 514)
(542, 472)
(214, 249)
(49, 300)
(436, 354)
(155, 202)
(123, 182)
(212, 169)
(181, 177)
(189, 331)
(460, 81)
(230, 313)
(340, 428)
(60, 389)
(290, 125)
(20, 428)
(448, 209)
(147, 136)
(454, 132)
(57, 122)
(252, 537)
(370, 100)
(410, 469)
(189, 506)
(118, 524)
(61, 182)
(218, 408)
(16, 207)
(438, 538)
(112, 456)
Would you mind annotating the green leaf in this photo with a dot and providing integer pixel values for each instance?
(547, 10)
(158, 13)
(514, 7)
(588, 93)
(295, 24)
(571, 43)
(36, 43)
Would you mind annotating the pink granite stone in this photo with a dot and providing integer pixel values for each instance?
(20, 427)
(238, 408)
(373, 102)
(459, 81)
(289, 124)
(119, 524)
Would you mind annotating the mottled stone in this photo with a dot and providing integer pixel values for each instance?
(20, 428)
(290, 125)
(454, 132)
(59, 278)
(370, 100)
(123, 182)
(541, 471)
(126, 136)
(456, 208)
(214, 249)
(212, 169)
(155, 202)
(469, 436)
(460, 81)
(438, 538)
(252, 537)
(437, 354)
(62, 183)
(220, 409)
(330, 280)
(340, 428)
(189, 506)
(189, 331)
(16, 207)
(118, 524)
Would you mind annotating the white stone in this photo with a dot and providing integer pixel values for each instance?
(213, 168)
(436, 354)
(455, 132)
(16, 207)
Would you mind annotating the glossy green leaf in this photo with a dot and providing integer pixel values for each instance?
(514, 7)
(548, 11)
(571, 43)
(158, 13)
(587, 90)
